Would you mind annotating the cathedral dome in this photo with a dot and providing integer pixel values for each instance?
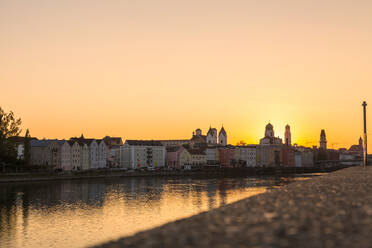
(269, 131)
(269, 127)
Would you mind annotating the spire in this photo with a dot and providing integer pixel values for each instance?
(323, 140)
(222, 131)
(288, 136)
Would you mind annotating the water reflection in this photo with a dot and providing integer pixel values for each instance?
(87, 212)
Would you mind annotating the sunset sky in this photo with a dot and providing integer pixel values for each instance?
(160, 69)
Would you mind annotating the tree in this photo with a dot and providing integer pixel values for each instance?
(27, 148)
(241, 143)
(9, 127)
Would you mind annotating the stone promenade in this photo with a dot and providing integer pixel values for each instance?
(333, 210)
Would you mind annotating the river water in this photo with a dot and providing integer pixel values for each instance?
(80, 213)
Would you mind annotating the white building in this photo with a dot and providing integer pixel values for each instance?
(97, 153)
(102, 153)
(84, 155)
(212, 136)
(222, 137)
(93, 153)
(142, 154)
(212, 156)
(75, 155)
(65, 155)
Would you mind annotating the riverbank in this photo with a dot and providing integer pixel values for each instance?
(333, 210)
(218, 172)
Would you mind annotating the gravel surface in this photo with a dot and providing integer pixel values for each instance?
(333, 210)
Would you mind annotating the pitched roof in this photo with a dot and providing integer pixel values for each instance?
(72, 142)
(83, 140)
(355, 148)
(40, 143)
(222, 131)
(143, 143)
(81, 143)
(210, 130)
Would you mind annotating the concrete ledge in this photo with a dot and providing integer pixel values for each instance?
(334, 210)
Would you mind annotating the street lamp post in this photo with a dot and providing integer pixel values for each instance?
(365, 134)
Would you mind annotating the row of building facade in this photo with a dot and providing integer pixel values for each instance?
(200, 150)
(73, 154)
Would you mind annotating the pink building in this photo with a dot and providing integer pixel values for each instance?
(227, 156)
(173, 156)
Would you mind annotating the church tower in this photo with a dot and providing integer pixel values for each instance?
(212, 136)
(323, 140)
(287, 136)
(222, 137)
(269, 131)
(361, 143)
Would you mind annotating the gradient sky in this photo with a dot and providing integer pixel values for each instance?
(160, 69)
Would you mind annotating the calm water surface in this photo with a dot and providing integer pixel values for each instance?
(88, 212)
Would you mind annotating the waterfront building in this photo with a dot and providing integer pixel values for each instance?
(222, 137)
(348, 156)
(212, 156)
(269, 152)
(53, 154)
(114, 156)
(198, 157)
(304, 158)
(173, 156)
(93, 153)
(39, 152)
(185, 159)
(357, 149)
(323, 140)
(97, 151)
(84, 155)
(65, 155)
(227, 156)
(212, 136)
(246, 155)
(46, 153)
(75, 155)
(288, 155)
(112, 150)
(142, 154)
(269, 155)
(102, 153)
